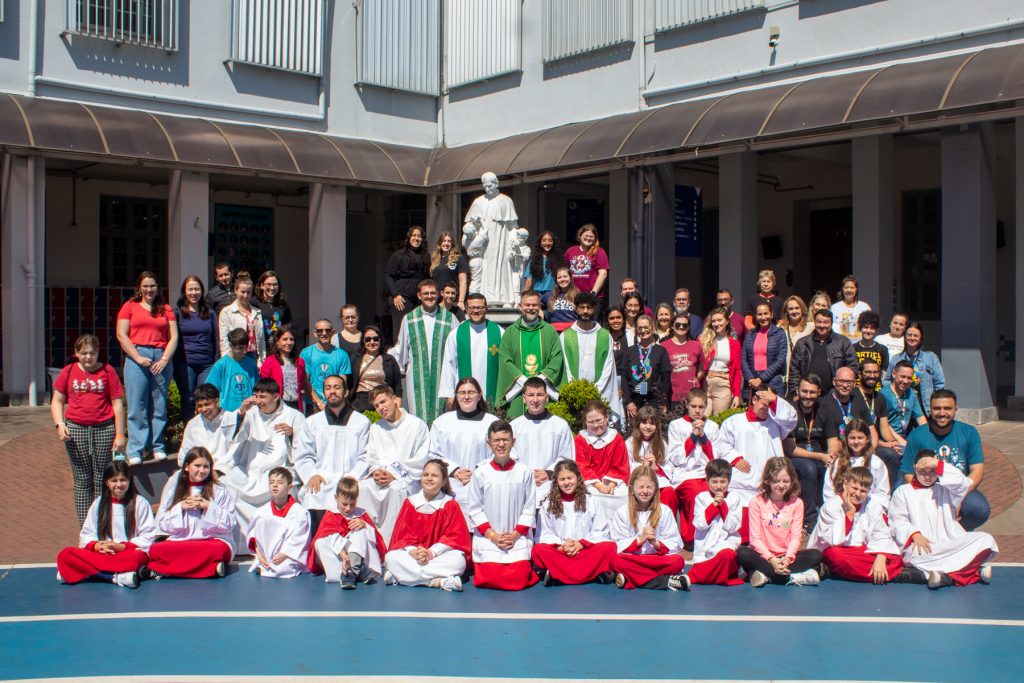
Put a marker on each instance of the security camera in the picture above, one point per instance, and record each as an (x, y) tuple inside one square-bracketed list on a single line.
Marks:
[(774, 37)]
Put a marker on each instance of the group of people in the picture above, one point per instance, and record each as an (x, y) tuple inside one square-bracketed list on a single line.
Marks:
[(847, 460)]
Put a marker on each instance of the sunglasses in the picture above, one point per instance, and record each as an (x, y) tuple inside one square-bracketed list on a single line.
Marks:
[(321, 331), (681, 327), (371, 339)]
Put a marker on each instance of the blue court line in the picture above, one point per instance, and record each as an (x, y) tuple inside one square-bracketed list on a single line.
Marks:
[(511, 649), (28, 592)]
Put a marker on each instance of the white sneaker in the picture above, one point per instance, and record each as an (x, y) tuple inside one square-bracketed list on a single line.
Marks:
[(452, 583), (389, 578), (758, 579), (158, 456), (435, 583), (679, 582), (985, 574), (221, 570), (135, 460), (808, 577), (127, 579), (60, 579)]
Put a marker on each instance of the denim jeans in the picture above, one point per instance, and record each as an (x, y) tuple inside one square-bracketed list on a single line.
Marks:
[(811, 474), (974, 511), (146, 395), (188, 377)]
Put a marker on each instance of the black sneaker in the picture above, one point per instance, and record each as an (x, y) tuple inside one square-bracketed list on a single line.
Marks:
[(823, 571), (348, 582), (938, 580), (910, 575), (605, 578)]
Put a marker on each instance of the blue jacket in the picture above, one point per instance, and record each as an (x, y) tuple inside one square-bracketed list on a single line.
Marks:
[(928, 375), (776, 359)]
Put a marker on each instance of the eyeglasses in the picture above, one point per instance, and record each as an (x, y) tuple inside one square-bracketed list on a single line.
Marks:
[(318, 331), (679, 326), (467, 394), (371, 339)]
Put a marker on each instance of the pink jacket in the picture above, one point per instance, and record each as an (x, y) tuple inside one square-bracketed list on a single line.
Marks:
[(735, 366), (271, 369)]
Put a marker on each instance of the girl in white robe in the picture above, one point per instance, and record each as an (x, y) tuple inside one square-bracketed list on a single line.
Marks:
[(279, 532), (264, 443), (431, 542), (117, 532), (459, 437), (646, 447), (602, 458), (647, 538), (198, 517), (691, 440), (574, 543), (501, 513), (923, 516), (857, 452), (332, 447)]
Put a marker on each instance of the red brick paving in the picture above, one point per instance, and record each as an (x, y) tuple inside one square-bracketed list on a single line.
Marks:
[(37, 512)]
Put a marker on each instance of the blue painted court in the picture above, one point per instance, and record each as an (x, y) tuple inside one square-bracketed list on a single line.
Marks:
[(243, 626)]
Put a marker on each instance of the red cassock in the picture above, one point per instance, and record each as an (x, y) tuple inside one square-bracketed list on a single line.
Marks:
[(78, 564), (447, 526), (336, 523), (721, 570), (594, 560), (612, 461), (641, 569), (190, 559), (853, 563)]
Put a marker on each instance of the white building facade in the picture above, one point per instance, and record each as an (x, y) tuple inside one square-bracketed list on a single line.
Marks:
[(706, 139)]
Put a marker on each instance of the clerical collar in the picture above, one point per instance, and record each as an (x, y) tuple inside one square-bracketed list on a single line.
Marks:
[(475, 415), (529, 326), (341, 419), (537, 418)]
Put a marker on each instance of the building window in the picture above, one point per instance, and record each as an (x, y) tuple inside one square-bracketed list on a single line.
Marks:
[(922, 254), (150, 23), (133, 238), (574, 27), (398, 45), (279, 34), (673, 14), (482, 40)]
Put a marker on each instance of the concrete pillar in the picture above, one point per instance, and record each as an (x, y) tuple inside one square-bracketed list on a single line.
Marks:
[(659, 274), (618, 231), (737, 224), (968, 260), (188, 230), (873, 222), (443, 214), (22, 245), (1017, 401), (328, 267)]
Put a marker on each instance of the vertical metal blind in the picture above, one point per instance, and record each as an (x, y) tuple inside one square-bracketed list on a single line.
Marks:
[(399, 44), (279, 34), (670, 14), (572, 27), (151, 23), (481, 39)]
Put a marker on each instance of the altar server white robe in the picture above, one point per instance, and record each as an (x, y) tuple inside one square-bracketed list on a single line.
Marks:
[(687, 454), (260, 449), (218, 521), (332, 450), (541, 443), (400, 449), (879, 481), (719, 534), (932, 511), (216, 435), (273, 534), (745, 437), (869, 528), (591, 525), (503, 500), (462, 443)]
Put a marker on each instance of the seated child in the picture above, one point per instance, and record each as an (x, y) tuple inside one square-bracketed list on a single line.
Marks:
[(776, 526), (854, 536), (718, 514), (645, 446), (347, 546), (602, 457), (501, 504), (690, 447), (213, 428), (857, 452), (923, 515), (648, 539), (573, 545), (430, 542), (279, 533), (117, 532)]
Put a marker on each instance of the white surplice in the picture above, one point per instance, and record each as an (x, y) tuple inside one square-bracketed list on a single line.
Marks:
[(462, 443), (504, 500), (719, 534), (688, 454), (216, 435), (541, 443), (331, 450), (401, 449), (273, 535), (744, 436)]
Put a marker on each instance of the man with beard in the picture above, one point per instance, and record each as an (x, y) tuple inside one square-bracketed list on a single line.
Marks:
[(529, 348), (587, 350), (471, 351)]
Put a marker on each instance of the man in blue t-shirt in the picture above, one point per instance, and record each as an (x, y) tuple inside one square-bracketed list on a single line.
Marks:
[(322, 360), (902, 405), (234, 374), (956, 443)]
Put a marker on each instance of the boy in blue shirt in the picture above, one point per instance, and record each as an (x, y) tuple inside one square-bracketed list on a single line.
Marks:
[(235, 374), (957, 444)]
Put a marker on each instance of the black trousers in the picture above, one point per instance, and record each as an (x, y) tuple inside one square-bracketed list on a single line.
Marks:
[(752, 561)]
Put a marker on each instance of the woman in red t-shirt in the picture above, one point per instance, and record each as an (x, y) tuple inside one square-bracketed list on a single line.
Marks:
[(588, 263), (89, 416), (148, 334)]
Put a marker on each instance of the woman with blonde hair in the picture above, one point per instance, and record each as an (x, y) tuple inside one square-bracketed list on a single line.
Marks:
[(796, 323), (723, 359)]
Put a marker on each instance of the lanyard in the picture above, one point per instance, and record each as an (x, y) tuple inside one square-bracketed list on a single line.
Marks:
[(809, 425), (871, 402), (642, 371), (845, 411)]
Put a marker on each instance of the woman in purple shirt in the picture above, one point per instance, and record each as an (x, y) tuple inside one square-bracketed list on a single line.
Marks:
[(197, 350)]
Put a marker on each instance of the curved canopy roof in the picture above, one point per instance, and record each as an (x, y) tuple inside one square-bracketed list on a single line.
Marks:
[(989, 79)]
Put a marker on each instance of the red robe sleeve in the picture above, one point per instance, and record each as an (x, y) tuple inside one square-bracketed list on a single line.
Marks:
[(332, 523), (407, 530), (453, 530), (585, 459)]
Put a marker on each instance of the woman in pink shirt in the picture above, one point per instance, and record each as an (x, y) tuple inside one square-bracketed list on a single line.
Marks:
[(148, 334), (588, 263), (776, 519)]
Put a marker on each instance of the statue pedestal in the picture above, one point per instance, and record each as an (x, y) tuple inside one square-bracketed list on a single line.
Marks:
[(504, 316)]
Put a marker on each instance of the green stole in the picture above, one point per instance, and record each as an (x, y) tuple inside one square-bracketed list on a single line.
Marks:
[(571, 348), (426, 367), (527, 351), (464, 351)]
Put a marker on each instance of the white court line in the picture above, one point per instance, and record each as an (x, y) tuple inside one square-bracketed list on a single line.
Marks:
[(244, 562), (401, 679), (513, 616)]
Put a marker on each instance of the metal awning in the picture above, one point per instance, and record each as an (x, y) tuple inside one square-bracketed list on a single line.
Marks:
[(927, 93)]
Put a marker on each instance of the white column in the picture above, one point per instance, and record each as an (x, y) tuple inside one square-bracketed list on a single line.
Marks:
[(618, 231), (22, 198), (660, 271), (188, 230), (442, 214), (968, 260), (328, 266), (737, 224), (1017, 402), (873, 221)]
